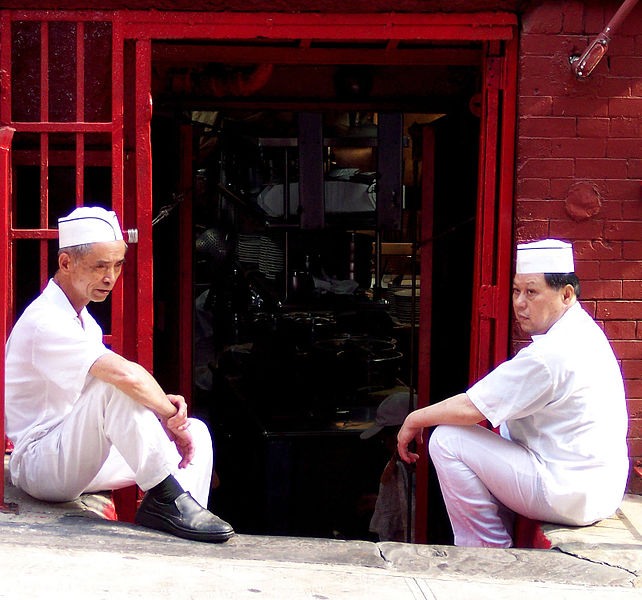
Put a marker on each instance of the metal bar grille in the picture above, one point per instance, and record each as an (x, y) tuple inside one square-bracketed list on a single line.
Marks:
[(46, 155), (45, 138)]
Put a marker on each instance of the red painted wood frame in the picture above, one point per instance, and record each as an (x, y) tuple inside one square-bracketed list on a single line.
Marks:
[(494, 226), (6, 134), (143, 27)]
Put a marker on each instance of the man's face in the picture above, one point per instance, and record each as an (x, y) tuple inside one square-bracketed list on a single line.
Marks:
[(93, 276), (537, 306)]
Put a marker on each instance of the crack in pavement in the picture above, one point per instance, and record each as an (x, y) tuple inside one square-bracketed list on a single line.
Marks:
[(593, 561)]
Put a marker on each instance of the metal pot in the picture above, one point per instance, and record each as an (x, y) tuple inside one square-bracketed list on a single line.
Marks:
[(354, 362)]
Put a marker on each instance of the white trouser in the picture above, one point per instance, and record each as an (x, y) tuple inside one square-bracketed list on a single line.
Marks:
[(109, 441), (485, 479)]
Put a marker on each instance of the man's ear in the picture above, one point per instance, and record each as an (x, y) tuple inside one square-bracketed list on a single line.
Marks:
[(64, 262), (568, 294)]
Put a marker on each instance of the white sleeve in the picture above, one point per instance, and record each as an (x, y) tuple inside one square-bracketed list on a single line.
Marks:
[(515, 389), (63, 354)]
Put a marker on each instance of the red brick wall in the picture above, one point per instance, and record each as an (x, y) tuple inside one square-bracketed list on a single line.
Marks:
[(579, 167)]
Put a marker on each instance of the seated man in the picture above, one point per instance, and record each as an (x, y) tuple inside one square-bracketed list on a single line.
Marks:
[(562, 453), (84, 418)]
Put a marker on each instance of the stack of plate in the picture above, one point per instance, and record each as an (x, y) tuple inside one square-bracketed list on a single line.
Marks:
[(271, 257), (248, 247), (402, 305)]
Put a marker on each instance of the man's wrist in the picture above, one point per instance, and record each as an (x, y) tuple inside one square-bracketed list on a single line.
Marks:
[(415, 419)]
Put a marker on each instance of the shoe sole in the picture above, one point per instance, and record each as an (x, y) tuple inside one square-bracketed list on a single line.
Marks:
[(160, 524)]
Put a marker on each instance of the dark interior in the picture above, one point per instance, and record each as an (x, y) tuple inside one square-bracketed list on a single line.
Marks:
[(293, 355)]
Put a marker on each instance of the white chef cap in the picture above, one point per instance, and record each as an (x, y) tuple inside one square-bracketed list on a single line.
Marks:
[(545, 256), (87, 225)]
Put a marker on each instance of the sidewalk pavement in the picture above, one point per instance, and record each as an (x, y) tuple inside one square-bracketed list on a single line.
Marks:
[(67, 550)]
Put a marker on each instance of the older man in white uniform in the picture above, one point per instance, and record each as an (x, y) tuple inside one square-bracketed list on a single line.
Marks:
[(560, 407), (83, 418)]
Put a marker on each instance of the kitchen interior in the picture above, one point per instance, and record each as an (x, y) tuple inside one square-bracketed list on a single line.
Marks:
[(307, 199)]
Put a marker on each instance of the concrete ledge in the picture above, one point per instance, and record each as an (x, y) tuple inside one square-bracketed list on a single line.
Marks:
[(59, 537), (616, 541)]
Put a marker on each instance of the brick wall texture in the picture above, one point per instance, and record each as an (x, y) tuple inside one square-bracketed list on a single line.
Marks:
[(579, 167)]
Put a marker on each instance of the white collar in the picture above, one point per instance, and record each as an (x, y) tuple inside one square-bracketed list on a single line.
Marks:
[(53, 292), (571, 310)]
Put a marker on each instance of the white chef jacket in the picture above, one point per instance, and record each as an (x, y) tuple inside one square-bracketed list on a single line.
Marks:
[(48, 357), (562, 397)]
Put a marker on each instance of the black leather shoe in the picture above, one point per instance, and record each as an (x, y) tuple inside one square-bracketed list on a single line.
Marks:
[(184, 517)]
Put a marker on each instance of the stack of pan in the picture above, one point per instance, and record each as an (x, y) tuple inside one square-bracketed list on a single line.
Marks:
[(248, 248), (271, 257), (402, 305)]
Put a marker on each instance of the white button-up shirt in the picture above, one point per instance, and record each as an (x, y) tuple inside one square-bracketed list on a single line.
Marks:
[(562, 397), (49, 353)]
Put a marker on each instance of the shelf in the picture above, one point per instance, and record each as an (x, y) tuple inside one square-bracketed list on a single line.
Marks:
[(333, 142)]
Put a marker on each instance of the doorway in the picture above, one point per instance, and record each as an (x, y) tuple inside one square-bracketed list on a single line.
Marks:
[(275, 300)]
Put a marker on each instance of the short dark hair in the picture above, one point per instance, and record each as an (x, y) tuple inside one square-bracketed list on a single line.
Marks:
[(76, 252), (559, 280)]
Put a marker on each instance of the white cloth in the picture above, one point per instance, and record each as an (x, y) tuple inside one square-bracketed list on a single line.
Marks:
[(561, 400), (390, 517), (72, 432)]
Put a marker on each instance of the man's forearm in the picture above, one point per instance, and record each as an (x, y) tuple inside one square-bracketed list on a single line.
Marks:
[(456, 410), (135, 381)]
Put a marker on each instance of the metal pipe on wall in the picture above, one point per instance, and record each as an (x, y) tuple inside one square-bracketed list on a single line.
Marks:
[(584, 65)]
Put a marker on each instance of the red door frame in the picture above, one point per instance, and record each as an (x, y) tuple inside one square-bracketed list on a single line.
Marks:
[(494, 226), (142, 27), (6, 135), (493, 237)]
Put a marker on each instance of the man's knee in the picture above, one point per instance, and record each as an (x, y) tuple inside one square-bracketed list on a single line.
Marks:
[(103, 395), (441, 441), (199, 431), (201, 436)]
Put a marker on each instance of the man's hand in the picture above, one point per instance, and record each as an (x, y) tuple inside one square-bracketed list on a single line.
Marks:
[(406, 434), (184, 445), (177, 430), (179, 421)]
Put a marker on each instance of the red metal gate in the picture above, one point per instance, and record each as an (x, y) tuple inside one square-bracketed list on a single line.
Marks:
[(63, 89), (61, 124)]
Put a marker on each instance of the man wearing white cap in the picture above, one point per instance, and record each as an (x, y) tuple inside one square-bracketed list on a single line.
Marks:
[(85, 419), (561, 455)]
